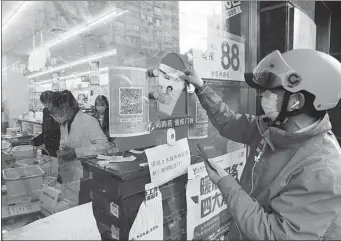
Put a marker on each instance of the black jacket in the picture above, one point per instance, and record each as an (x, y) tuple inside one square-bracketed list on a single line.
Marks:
[(50, 135)]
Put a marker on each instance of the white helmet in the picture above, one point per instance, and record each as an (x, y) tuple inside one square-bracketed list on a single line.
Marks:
[(300, 70)]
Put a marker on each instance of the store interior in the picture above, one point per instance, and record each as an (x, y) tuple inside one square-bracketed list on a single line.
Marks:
[(123, 50)]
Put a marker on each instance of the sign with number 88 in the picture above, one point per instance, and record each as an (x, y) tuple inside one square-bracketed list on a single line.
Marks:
[(224, 59), (230, 56)]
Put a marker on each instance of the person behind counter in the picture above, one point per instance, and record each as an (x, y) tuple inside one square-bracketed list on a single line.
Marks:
[(102, 113), (50, 135), (81, 136)]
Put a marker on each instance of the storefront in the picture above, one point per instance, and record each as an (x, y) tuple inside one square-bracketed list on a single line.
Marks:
[(123, 50)]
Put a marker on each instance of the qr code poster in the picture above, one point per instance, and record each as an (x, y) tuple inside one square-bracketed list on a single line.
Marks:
[(128, 102), (199, 129), (131, 101)]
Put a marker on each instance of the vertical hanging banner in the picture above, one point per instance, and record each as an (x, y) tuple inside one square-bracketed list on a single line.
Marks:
[(148, 224), (199, 129), (94, 74), (55, 82), (207, 214), (128, 102)]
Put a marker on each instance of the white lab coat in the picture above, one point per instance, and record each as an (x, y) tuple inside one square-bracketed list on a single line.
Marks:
[(87, 138)]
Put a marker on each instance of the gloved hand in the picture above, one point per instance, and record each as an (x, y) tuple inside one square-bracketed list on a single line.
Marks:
[(192, 77), (66, 154), (217, 173)]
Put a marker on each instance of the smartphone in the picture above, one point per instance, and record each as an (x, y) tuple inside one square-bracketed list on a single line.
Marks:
[(203, 154)]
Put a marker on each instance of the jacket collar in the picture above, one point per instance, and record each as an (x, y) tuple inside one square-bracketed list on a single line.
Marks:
[(276, 137)]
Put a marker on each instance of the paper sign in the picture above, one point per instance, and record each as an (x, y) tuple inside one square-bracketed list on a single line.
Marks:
[(207, 214), (224, 58), (167, 162), (64, 225), (148, 224)]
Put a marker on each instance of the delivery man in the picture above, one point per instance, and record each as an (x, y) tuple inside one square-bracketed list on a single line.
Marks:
[(290, 188)]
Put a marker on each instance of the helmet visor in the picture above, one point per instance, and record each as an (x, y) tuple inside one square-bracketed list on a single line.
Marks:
[(270, 73)]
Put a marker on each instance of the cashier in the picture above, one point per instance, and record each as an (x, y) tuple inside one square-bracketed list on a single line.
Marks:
[(50, 135), (81, 136)]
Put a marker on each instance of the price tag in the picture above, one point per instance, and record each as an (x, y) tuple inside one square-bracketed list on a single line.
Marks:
[(114, 209)]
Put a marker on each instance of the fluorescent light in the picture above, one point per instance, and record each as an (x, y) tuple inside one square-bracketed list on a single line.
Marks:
[(79, 30), (71, 76), (20, 9), (77, 62)]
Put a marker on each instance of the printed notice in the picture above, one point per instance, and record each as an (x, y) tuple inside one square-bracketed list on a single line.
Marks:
[(207, 214), (224, 58), (94, 73), (148, 224), (172, 163)]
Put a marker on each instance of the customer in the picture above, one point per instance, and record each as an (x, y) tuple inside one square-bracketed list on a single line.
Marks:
[(50, 135), (81, 136), (102, 113), (290, 188)]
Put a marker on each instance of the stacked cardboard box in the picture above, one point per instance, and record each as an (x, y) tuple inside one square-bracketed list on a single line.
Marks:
[(118, 192)]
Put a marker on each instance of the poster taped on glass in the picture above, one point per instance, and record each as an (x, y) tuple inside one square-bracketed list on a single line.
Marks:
[(129, 104), (94, 73)]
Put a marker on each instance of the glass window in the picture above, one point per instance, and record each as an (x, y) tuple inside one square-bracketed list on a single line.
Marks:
[(83, 41)]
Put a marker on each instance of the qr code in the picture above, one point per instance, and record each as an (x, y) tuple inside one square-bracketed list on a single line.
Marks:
[(201, 116), (131, 101)]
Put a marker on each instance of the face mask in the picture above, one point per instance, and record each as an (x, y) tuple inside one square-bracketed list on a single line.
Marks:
[(100, 109), (269, 104)]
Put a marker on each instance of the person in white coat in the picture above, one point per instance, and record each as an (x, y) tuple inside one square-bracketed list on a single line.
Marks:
[(81, 136)]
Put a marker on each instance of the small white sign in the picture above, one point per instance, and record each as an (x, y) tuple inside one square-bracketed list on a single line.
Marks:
[(114, 209), (173, 162)]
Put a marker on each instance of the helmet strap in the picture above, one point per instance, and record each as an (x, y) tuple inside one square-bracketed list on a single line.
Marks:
[(283, 114)]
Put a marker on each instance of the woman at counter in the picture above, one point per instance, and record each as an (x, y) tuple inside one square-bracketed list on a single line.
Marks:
[(81, 136), (50, 135), (102, 113)]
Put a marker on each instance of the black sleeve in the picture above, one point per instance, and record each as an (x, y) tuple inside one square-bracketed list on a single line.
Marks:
[(39, 139)]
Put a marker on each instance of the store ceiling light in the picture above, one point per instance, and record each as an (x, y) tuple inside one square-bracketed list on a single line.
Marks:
[(77, 62), (15, 14), (80, 29), (71, 76)]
